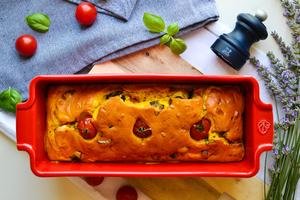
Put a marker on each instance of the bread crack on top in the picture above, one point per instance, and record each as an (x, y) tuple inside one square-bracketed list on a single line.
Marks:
[(144, 123)]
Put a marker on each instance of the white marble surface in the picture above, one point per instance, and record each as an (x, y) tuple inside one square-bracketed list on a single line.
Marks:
[(17, 181)]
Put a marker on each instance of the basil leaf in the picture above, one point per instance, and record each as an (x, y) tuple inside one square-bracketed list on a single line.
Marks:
[(9, 99), (154, 23), (165, 39), (173, 29), (38, 22), (177, 46)]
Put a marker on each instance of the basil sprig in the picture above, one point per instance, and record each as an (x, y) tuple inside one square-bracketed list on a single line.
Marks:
[(9, 99), (156, 24), (39, 22)]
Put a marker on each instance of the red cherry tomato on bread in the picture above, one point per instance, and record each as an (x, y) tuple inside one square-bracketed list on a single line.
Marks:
[(126, 192), (86, 13), (86, 126), (93, 181), (26, 45), (200, 129), (141, 129)]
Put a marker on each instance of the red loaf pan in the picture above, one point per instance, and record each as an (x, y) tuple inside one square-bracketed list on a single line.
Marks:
[(31, 126)]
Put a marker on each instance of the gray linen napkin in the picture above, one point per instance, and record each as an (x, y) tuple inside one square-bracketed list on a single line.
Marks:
[(67, 47), (118, 8)]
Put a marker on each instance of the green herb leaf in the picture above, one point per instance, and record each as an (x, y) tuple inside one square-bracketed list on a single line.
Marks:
[(177, 46), (173, 155), (113, 94), (154, 23), (38, 22), (9, 99), (141, 129), (165, 39), (173, 29), (199, 127)]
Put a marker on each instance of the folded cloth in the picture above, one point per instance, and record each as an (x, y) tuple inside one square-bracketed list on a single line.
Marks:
[(67, 47), (118, 8)]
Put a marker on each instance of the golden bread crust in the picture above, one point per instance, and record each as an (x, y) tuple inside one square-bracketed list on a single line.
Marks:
[(170, 112)]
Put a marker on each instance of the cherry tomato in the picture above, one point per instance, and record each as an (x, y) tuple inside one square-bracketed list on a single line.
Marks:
[(126, 192), (26, 45), (200, 129), (141, 129), (86, 127), (86, 13), (93, 181)]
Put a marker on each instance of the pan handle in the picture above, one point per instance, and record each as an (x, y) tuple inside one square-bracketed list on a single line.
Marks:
[(264, 125), (24, 126)]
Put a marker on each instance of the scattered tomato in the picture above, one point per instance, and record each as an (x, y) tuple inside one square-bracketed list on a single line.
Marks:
[(86, 13), (86, 127), (126, 192), (200, 129), (26, 45), (141, 129), (93, 181)]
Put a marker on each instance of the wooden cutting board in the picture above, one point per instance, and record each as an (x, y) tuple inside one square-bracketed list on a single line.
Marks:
[(159, 59)]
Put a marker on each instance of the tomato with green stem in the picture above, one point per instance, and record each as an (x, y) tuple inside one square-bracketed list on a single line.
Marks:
[(200, 129), (86, 126)]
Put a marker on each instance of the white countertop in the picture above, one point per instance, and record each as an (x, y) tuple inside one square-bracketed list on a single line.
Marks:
[(17, 180)]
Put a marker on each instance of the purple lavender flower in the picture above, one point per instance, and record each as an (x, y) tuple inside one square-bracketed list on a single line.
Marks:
[(294, 63), (286, 149), (287, 122), (289, 92), (295, 113), (286, 13), (288, 77), (276, 153), (289, 9), (298, 19)]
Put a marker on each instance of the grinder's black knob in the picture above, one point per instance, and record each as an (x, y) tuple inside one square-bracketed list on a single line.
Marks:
[(234, 47)]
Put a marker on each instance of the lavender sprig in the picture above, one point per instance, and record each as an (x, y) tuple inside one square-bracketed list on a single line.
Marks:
[(289, 8), (286, 51), (278, 84), (292, 13), (267, 76), (281, 73), (282, 79)]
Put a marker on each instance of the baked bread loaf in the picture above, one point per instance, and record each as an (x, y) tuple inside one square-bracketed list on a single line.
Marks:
[(144, 123)]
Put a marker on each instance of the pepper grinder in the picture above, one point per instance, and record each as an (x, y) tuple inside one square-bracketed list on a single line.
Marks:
[(234, 47)]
